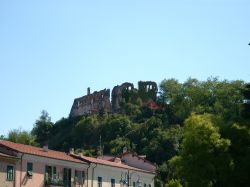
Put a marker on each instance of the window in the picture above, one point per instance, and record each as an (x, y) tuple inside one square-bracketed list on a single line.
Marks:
[(99, 182), (134, 184), (50, 173), (79, 177), (54, 173), (138, 183), (145, 185), (10, 173), (149, 185), (83, 176), (67, 177), (29, 169), (112, 182)]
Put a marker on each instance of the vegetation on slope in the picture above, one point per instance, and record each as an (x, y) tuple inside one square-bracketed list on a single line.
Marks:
[(200, 136)]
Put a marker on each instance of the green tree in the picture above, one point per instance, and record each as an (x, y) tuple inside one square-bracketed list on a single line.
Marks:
[(116, 126), (204, 159), (227, 99), (174, 183), (171, 91), (21, 136), (42, 128), (239, 135), (246, 102), (156, 141), (2, 137), (210, 96), (63, 137), (86, 131), (117, 145)]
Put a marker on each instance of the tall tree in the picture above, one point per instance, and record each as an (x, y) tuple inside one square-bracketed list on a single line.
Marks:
[(210, 96), (86, 131), (246, 102), (239, 135), (117, 145), (204, 159), (42, 128)]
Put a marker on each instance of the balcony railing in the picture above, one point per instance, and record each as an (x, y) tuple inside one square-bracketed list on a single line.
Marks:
[(54, 182)]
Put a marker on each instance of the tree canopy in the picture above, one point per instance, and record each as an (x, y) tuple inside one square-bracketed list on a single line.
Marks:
[(42, 128), (21, 136), (199, 136)]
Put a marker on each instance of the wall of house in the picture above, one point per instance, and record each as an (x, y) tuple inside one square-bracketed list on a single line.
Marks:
[(107, 173), (4, 162), (94, 171), (39, 163)]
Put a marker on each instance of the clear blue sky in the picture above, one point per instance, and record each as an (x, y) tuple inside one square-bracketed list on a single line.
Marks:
[(52, 50)]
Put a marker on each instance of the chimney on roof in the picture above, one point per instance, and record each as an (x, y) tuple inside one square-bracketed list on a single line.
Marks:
[(125, 150), (142, 156), (88, 90), (46, 148), (118, 160), (71, 151)]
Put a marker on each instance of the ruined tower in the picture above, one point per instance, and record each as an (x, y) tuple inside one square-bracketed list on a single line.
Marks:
[(125, 93), (120, 93), (91, 103)]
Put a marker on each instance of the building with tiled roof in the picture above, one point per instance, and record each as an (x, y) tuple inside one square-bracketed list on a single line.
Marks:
[(39, 167), (7, 163), (37, 151)]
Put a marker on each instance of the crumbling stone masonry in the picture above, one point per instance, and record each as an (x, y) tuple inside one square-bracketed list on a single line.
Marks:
[(91, 103), (120, 93), (147, 91), (100, 101)]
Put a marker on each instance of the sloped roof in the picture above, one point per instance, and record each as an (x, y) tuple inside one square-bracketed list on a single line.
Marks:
[(107, 157), (139, 158), (110, 163), (6, 155), (39, 151), (27, 149)]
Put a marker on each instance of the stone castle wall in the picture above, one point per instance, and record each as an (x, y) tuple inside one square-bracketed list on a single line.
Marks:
[(91, 103), (100, 101)]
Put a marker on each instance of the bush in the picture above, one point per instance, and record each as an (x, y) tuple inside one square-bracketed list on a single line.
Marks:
[(174, 183)]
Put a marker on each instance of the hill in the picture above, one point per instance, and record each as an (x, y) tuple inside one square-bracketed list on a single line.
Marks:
[(187, 116)]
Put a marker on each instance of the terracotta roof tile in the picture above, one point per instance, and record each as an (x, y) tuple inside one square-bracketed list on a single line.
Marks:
[(112, 164), (63, 156), (39, 151), (140, 157), (6, 155)]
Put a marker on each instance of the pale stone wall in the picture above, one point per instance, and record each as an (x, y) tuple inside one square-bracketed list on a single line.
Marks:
[(91, 103), (95, 102)]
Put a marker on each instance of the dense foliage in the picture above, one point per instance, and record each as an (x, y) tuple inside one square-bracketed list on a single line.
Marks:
[(21, 136), (200, 136)]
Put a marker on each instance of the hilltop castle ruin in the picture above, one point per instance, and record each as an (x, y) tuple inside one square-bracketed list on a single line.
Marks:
[(100, 101)]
